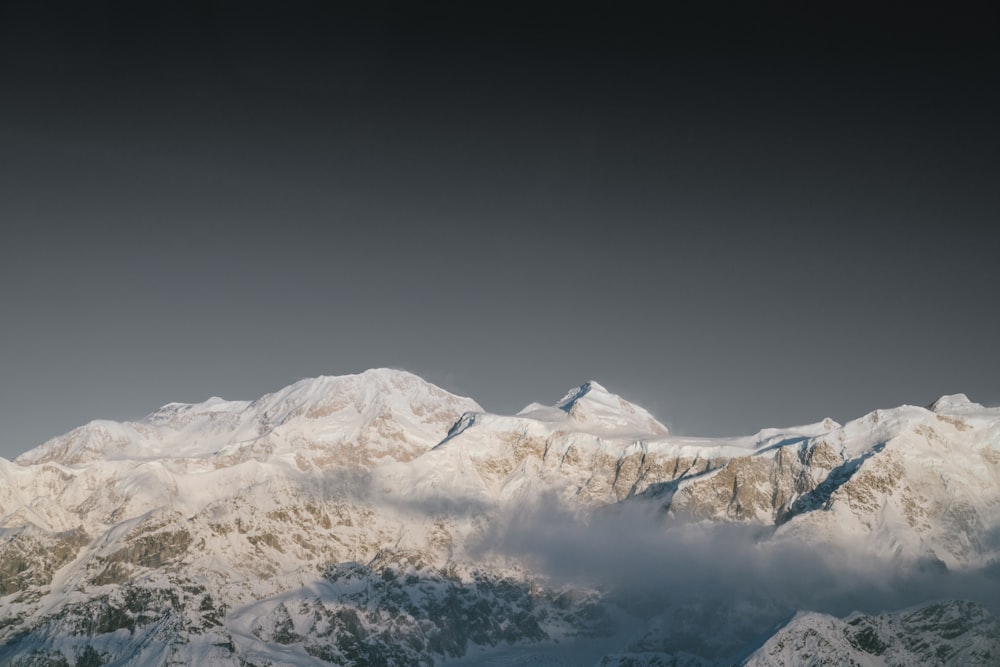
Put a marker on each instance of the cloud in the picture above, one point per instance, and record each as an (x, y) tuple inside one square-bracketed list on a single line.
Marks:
[(637, 553)]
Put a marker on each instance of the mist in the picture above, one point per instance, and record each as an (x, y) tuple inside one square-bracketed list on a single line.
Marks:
[(650, 562)]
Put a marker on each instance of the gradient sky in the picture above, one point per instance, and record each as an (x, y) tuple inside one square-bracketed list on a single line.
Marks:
[(739, 219)]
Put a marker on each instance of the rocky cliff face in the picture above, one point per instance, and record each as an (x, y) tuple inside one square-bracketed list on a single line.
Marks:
[(361, 520)]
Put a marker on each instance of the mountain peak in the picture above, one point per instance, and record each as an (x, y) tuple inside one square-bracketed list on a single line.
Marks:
[(955, 404), (592, 404), (373, 389), (567, 402)]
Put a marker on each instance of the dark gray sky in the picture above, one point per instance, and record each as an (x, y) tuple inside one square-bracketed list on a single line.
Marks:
[(739, 219)]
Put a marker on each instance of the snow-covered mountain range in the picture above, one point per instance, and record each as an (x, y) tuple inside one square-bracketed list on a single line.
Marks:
[(376, 519)]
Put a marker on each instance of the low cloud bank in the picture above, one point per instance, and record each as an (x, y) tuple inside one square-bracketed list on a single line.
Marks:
[(635, 552)]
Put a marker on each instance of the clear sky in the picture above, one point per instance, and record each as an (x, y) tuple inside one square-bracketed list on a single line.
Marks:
[(737, 219)]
